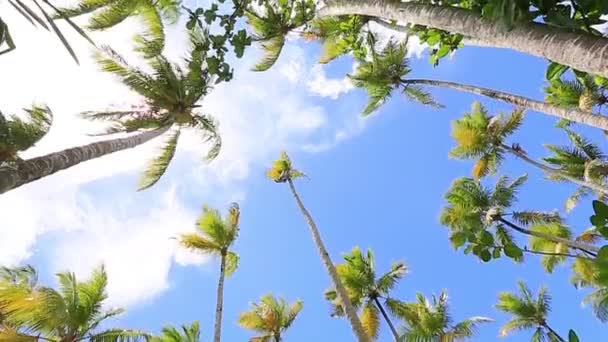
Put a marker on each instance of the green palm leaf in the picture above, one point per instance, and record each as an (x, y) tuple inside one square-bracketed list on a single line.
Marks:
[(158, 166)]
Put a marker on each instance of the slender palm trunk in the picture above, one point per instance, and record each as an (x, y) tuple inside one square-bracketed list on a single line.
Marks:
[(571, 114), (219, 305), (387, 319), (581, 51), (33, 169), (589, 249), (522, 155), (554, 333), (349, 309)]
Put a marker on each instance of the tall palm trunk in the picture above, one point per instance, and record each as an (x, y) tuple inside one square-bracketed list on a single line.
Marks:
[(219, 305), (571, 114), (581, 51), (349, 309), (33, 169), (555, 334), (589, 249), (387, 319), (555, 172)]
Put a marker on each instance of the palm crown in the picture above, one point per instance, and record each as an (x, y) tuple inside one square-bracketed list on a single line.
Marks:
[(474, 211), (273, 22), (431, 321), (529, 312), (482, 137), (582, 160), (184, 334), (215, 235), (18, 135), (171, 95), (359, 277), (383, 74), (108, 13), (270, 317), (72, 313), (582, 92)]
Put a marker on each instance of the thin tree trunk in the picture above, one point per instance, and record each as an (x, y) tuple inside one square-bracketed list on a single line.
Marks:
[(349, 309), (590, 185), (387, 319), (219, 305), (581, 51), (33, 169), (571, 114), (554, 333), (590, 249)]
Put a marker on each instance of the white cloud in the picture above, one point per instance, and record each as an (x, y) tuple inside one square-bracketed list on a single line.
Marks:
[(90, 213), (320, 85)]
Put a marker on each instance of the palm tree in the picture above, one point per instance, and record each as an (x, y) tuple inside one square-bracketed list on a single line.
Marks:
[(578, 50), (273, 22), (474, 211), (582, 160), (583, 93), (215, 236), (431, 321), (108, 13), (283, 172), (171, 96), (271, 318), (184, 334), (17, 135), (386, 72), (25, 277), (529, 312), (483, 137), (365, 290), (586, 273), (72, 313)]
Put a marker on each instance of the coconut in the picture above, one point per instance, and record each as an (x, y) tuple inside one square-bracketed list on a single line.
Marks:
[(587, 101)]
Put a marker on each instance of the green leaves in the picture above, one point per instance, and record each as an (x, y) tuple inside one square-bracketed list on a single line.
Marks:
[(271, 317), (159, 165), (555, 71), (600, 218), (282, 171), (572, 337), (17, 134)]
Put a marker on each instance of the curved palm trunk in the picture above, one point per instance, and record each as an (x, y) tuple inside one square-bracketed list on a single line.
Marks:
[(554, 333), (219, 305), (522, 155), (349, 309), (590, 249), (387, 319), (571, 114), (33, 169), (581, 51)]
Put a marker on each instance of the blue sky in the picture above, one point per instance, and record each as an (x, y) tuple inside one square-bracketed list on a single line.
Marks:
[(380, 186)]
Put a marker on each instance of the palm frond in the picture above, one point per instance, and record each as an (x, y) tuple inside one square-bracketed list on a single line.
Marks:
[(272, 50), (418, 94), (196, 242), (158, 166), (152, 42), (112, 14), (370, 320), (232, 263)]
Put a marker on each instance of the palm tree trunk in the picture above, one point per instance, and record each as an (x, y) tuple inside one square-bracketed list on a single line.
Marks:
[(571, 114), (33, 169), (581, 51), (554, 333), (349, 309), (219, 305), (589, 249), (522, 155), (387, 319)]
